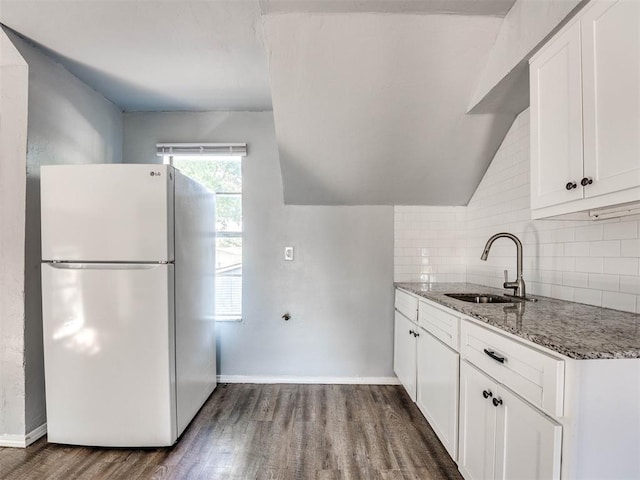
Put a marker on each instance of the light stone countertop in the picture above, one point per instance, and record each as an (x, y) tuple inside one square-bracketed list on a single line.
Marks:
[(572, 329)]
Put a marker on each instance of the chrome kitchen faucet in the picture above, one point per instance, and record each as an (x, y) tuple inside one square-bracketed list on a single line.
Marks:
[(519, 290)]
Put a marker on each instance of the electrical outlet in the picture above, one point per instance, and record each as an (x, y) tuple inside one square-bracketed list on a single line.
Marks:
[(288, 254)]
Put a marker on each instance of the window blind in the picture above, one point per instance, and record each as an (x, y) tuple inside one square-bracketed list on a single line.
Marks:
[(198, 149)]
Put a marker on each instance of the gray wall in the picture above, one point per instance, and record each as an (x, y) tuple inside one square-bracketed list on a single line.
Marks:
[(338, 290), (68, 122), (13, 141)]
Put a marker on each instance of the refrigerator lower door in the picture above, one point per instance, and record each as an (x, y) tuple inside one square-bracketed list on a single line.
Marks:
[(109, 351)]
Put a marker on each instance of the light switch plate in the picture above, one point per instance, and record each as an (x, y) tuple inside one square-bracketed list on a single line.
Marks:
[(288, 253)]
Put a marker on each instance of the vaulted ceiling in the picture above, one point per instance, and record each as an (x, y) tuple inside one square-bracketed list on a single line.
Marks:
[(369, 96), (154, 55)]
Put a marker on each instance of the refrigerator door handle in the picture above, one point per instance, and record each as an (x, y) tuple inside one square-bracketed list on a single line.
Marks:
[(104, 266)]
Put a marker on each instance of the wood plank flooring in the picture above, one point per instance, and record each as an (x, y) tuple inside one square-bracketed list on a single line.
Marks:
[(286, 432)]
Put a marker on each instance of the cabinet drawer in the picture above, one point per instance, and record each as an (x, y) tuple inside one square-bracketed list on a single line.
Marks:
[(441, 323), (407, 305), (534, 375)]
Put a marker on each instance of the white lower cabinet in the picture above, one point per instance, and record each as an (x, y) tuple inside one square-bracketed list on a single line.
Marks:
[(508, 409), (501, 435), (437, 388), (427, 363), (528, 443), (477, 424), (404, 353)]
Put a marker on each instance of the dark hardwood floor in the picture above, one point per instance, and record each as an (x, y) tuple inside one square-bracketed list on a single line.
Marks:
[(288, 432)]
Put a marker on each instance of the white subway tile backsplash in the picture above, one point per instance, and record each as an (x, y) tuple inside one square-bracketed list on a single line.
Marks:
[(552, 278), (607, 248), (563, 293), (630, 248), (545, 236), (575, 279), (630, 285), (604, 282), (619, 301), (620, 231), (559, 264), (541, 289), (596, 263), (552, 250), (565, 235), (621, 266), (588, 296), (410, 252), (590, 265), (589, 233), (433, 240), (577, 249)]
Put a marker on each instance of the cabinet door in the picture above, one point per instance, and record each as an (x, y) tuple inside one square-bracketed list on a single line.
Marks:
[(528, 443), (404, 353), (556, 121), (611, 79), (477, 424), (437, 389)]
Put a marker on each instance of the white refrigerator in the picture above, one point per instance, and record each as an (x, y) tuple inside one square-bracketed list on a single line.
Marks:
[(128, 271)]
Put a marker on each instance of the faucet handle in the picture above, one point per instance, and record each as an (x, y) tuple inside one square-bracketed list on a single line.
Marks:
[(507, 284)]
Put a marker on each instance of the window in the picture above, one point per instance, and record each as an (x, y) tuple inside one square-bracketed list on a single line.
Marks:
[(223, 175)]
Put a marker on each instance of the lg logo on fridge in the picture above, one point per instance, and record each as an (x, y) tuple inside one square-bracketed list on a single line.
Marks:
[(155, 174)]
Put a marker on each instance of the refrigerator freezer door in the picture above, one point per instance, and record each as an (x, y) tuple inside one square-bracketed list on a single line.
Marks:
[(109, 351), (107, 213)]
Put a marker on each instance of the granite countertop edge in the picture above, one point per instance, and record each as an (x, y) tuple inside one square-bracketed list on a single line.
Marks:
[(577, 331)]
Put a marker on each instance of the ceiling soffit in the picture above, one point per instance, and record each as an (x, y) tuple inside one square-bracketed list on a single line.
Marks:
[(370, 109)]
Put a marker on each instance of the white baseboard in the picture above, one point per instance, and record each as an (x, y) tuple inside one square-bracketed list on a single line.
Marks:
[(309, 380), (23, 441)]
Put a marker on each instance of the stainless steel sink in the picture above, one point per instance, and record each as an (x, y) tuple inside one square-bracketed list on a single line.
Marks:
[(480, 298)]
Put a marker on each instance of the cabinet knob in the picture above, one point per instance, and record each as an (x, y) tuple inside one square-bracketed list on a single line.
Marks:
[(416, 334), (487, 394), (586, 181), (411, 332), (571, 185), (497, 401)]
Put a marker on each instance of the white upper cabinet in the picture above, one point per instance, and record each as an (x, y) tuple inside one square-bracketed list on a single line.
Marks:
[(556, 122), (611, 95), (585, 112)]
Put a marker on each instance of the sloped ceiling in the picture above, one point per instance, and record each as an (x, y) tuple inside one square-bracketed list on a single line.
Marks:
[(369, 96), (154, 55), (370, 109)]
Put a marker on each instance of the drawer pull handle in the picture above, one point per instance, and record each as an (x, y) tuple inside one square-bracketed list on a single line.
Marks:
[(493, 355), (497, 401), (487, 393)]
